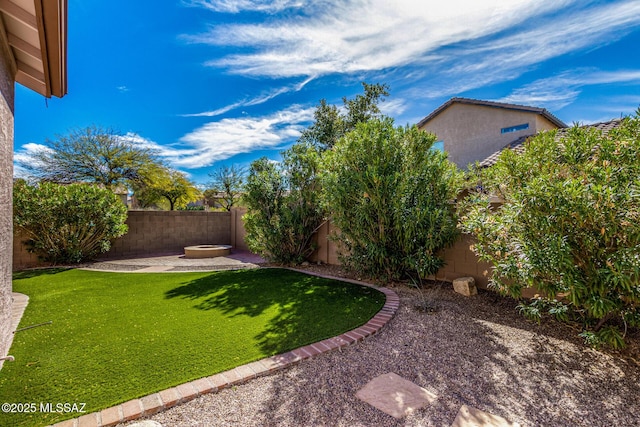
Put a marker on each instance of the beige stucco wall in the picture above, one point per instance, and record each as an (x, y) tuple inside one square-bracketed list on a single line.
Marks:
[(6, 187), (472, 132)]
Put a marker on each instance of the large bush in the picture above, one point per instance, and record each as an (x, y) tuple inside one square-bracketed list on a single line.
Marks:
[(569, 226), (283, 206), (392, 197), (67, 223)]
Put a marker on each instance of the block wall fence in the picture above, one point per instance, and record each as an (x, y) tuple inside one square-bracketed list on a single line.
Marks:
[(460, 259), (157, 233), (163, 232)]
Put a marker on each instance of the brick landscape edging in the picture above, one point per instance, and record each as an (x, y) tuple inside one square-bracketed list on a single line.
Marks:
[(157, 402)]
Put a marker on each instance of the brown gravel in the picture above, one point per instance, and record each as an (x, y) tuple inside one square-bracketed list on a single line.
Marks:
[(476, 351)]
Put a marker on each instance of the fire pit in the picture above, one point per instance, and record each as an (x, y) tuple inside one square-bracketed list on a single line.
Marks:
[(207, 251)]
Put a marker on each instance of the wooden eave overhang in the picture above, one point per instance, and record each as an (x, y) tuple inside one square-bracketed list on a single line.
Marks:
[(36, 32)]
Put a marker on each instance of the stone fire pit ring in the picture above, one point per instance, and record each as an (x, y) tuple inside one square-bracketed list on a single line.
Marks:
[(206, 251)]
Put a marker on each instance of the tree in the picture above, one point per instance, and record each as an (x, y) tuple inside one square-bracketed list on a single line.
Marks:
[(391, 197), (162, 183), (68, 223), (93, 154), (283, 205), (284, 199), (330, 125), (569, 226), (227, 186)]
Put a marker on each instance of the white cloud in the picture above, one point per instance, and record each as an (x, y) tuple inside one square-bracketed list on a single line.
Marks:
[(476, 43), (260, 99), (225, 138), (235, 6), (25, 156), (477, 63), (393, 107), (563, 89), (364, 35)]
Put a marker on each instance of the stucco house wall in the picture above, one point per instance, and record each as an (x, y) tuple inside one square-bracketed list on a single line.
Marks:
[(6, 199), (33, 52), (473, 132)]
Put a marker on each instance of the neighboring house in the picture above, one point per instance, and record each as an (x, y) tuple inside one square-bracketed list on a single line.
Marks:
[(519, 144), (470, 130), (33, 52)]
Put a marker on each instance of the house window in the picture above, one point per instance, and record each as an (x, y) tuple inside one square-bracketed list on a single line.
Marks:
[(438, 145), (515, 128)]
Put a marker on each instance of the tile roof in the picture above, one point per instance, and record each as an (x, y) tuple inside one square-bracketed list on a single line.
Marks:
[(518, 145), (545, 113)]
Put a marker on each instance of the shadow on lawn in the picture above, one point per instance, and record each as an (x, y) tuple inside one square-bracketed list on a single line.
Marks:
[(28, 274), (305, 309)]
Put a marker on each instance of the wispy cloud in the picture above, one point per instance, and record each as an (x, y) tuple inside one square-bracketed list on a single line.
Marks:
[(212, 142), (393, 107), (235, 6), (505, 56), (362, 35), (25, 156), (477, 43), (225, 138), (563, 89), (123, 89), (261, 99)]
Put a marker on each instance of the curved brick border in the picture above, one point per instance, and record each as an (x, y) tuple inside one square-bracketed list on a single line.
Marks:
[(157, 402)]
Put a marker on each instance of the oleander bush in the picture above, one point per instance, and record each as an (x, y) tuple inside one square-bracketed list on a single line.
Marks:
[(569, 226), (67, 223), (283, 209), (391, 196)]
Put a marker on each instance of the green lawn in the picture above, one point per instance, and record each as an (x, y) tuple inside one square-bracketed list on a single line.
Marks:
[(118, 336)]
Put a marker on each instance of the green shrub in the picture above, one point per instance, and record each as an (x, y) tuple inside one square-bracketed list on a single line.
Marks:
[(67, 223), (569, 226), (283, 205), (392, 197)]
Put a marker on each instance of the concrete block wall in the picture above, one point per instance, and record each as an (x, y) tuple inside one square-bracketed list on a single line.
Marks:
[(157, 232), (460, 259), (21, 257), (238, 231)]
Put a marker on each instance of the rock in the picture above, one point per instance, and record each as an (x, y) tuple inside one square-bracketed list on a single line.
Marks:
[(305, 264), (465, 286)]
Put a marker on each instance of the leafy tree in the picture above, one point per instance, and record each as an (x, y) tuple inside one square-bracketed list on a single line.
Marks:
[(227, 186), (283, 200), (330, 124), (391, 197), (162, 183), (569, 226), (283, 207), (93, 154), (68, 223)]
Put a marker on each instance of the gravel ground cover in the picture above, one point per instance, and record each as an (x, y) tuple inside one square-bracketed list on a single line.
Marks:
[(476, 351)]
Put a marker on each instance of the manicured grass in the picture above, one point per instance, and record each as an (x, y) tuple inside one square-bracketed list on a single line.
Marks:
[(118, 336)]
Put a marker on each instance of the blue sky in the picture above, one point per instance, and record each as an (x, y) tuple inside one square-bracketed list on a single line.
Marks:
[(211, 82)]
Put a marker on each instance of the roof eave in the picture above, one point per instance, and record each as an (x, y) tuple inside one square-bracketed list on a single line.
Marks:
[(545, 113), (50, 21)]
